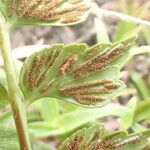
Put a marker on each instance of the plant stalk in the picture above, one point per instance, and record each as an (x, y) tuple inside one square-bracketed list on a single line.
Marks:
[(15, 98)]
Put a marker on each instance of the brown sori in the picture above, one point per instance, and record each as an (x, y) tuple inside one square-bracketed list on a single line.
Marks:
[(86, 85), (68, 63), (49, 10)]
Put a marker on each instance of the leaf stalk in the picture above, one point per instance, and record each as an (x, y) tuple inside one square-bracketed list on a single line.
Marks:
[(15, 97)]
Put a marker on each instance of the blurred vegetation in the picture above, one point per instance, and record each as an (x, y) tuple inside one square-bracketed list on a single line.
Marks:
[(51, 121)]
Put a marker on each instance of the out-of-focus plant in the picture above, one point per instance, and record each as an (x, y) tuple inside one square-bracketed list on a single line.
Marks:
[(76, 73)]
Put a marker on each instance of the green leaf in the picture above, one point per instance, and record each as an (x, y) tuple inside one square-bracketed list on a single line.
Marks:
[(101, 31), (49, 108), (128, 117), (41, 146), (8, 139), (3, 92), (88, 77), (142, 111), (124, 30), (140, 85), (139, 50), (6, 117), (84, 138), (70, 121), (3, 86), (93, 139), (146, 32), (60, 12), (134, 141), (136, 127)]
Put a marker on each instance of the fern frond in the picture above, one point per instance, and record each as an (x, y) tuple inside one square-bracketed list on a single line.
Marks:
[(56, 12)]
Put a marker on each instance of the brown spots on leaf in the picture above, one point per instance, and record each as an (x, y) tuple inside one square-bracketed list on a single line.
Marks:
[(85, 93), (68, 63), (110, 143), (57, 63), (12, 7), (111, 86), (36, 75), (87, 85), (88, 100), (74, 144), (99, 62), (123, 142), (93, 51), (47, 86), (45, 10)]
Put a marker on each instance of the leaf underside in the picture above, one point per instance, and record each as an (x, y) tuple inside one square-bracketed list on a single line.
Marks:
[(93, 138), (55, 12), (75, 73)]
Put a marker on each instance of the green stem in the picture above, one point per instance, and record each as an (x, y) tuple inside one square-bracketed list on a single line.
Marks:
[(15, 97)]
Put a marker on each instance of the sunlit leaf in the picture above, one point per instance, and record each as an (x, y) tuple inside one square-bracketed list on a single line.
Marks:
[(101, 31), (55, 12), (139, 50), (89, 77)]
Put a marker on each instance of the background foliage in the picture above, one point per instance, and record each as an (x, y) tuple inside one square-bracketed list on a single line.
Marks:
[(51, 121)]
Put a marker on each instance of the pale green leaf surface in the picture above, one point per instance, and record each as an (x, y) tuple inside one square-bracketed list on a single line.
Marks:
[(139, 50), (123, 29), (41, 146), (128, 118), (140, 85), (49, 108), (101, 32), (73, 73)]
